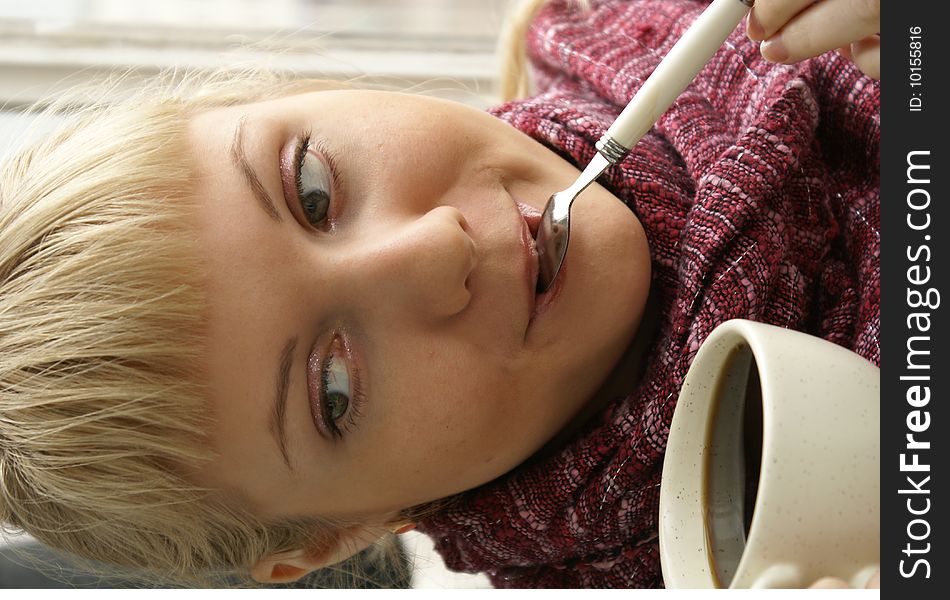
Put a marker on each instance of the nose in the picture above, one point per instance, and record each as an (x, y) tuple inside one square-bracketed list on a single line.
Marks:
[(418, 266)]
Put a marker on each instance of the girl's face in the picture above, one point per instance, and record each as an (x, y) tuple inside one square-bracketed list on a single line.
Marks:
[(375, 340)]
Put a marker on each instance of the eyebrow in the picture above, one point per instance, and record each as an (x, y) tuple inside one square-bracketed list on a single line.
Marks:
[(239, 157), (278, 417)]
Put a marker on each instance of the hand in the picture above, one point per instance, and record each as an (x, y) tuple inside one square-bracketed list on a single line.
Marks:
[(793, 30), (835, 583)]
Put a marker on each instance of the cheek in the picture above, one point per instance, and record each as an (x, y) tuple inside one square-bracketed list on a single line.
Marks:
[(469, 441), (614, 246), (406, 149), (614, 275), (451, 402), (446, 435), (442, 400)]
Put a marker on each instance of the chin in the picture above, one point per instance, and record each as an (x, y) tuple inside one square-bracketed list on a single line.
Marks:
[(623, 288)]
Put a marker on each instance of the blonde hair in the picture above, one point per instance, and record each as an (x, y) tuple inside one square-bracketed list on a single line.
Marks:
[(102, 404), (102, 337), (514, 80)]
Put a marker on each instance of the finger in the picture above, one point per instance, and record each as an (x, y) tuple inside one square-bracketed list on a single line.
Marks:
[(766, 18), (821, 27), (874, 582), (830, 583), (866, 54)]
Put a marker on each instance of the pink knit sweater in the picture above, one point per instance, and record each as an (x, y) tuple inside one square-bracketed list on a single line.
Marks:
[(759, 192)]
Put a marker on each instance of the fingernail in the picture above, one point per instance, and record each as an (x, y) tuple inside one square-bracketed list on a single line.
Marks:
[(405, 528), (773, 50), (753, 29), (281, 571)]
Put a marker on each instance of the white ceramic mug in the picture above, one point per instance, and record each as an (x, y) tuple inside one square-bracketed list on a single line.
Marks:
[(790, 423)]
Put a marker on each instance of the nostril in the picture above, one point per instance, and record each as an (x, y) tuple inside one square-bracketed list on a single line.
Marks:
[(443, 255), (472, 260), (459, 218), (473, 252)]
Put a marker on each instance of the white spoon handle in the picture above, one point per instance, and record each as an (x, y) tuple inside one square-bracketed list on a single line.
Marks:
[(677, 69)]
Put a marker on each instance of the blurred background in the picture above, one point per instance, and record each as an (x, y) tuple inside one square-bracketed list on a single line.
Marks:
[(439, 47), (443, 48)]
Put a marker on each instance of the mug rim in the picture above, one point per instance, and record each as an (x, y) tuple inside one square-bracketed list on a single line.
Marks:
[(690, 431)]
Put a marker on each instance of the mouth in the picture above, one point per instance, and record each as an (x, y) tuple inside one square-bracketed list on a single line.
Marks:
[(531, 218)]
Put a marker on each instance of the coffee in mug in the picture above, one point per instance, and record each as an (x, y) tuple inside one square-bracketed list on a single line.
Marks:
[(771, 476)]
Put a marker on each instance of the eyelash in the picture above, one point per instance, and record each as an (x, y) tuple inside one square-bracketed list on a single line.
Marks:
[(304, 143), (355, 397), (353, 407)]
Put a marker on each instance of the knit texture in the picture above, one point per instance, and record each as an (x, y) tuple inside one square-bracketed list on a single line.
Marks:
[(759, 193)]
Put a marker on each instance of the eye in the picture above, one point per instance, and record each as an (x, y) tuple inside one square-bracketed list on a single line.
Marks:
[(314, 179), (335, 391)]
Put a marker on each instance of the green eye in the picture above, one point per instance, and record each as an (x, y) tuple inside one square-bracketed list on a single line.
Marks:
[(315, 206), (337, 405), (335, 392), (314, 184)]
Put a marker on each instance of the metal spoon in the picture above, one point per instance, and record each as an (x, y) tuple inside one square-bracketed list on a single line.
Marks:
[(674, 73)]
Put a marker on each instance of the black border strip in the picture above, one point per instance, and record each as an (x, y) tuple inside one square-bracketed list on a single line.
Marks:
[(915, 369)]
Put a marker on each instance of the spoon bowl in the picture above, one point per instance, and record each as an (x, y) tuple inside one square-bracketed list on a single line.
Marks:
[(554, 230)]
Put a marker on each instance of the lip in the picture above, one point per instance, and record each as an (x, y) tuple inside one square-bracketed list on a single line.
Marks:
[(538, 303)]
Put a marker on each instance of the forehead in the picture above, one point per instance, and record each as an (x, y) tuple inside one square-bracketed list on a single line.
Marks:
[(285, 99), (217, 125)]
